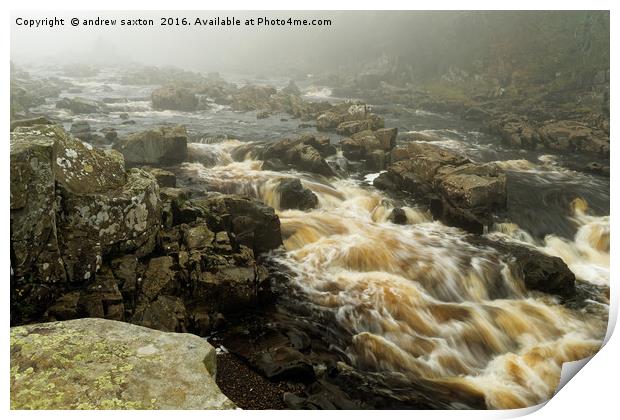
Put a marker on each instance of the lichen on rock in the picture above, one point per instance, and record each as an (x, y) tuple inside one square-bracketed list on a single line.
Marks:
[(100, 364)]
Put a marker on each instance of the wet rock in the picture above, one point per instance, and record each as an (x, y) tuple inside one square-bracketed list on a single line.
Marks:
[(294, 196), (122, 366), (539, 271), (81, 105), (398, 216), (298, 153), (160, 146), (175, 98)]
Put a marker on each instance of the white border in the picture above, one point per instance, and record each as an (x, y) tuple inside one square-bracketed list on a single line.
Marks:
[(592, 394)]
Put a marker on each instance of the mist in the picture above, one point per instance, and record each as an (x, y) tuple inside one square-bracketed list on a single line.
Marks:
[(429, 41)]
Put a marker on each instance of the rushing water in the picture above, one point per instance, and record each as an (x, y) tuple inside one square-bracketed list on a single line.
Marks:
[(419, 300)]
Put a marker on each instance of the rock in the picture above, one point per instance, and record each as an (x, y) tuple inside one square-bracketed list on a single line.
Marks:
[(160, 146), (459, 192), (198, 237), (81, 105), (573, 136), (367, 145), (294, 196), (348, 128), (252, 98), (102, 364), (262, 115), (254, 224), (387, 137), (71, 206), (539, 271), (473, 186), (166, 313), (398, 216), (175, 98), (322, 144), (124, 219), (329, 120), (34, 240), (298, 154), (164, 178), (158, 277)]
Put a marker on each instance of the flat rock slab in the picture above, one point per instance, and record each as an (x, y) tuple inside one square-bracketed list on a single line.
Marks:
[(94, 363)]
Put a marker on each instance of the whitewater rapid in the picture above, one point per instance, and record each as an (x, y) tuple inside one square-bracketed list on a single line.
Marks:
[(419, 300)]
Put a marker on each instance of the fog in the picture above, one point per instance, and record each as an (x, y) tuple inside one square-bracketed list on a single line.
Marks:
[(428, 42)]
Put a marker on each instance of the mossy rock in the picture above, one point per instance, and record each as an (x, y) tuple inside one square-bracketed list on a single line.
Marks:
[(94, 363)]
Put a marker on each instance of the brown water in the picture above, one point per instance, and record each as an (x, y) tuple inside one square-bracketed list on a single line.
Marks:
[(420, 300)]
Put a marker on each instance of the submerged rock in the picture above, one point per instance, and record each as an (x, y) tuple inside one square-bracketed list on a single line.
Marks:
[(175, 98), (100, 364), (163, 146)]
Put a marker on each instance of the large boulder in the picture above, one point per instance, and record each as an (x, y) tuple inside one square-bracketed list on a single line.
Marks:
[(100, 364), (71, 205), (175, 98), (159, 146)]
